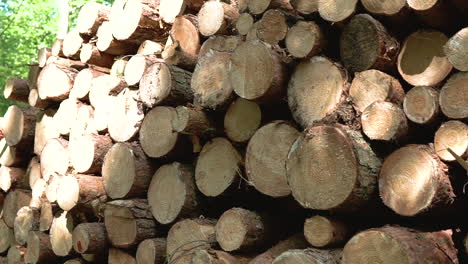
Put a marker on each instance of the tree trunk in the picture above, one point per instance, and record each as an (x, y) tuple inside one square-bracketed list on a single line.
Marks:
[(336, 11), (61, 234), (16, 89), (79, 190), (71, 44), (90, 238), (7, 235), (14, 200), (244, 23), (90, 54), (210, 256), (321, 231), (55, 82), (117, 256), (384, 121), (27, 219), (102, 112), (296, 241), (126, 116), (35, 101), (149, 47), (272, 28), (305, 39), (452, 97), (310, 255), (137, 66), (217, 18), (242, 119), (87, 152), (151, 251), (257, 7), (193, 121), (90, 17), (11, 176), (39, 249), (454, 135), (106, 42), (55, 157)]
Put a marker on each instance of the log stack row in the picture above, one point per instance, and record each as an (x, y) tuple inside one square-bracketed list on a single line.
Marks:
[(241, 131)]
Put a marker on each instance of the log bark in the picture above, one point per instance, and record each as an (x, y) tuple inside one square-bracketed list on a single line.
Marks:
[(27, 219), (45, 129), (257, 7), (452, 97), (42, 55), (87, 152), (272, 28), (61, 234), (35, 101), (90, 238), (220, 43), (365, 44), (266, 155), (384, 121), (55, 157), (242, 119), (424, 67), (55, 82), (71, 44), (217, 18), (90, 17), (16, 255), (321, 231), (126, 171), (128, 222), (193, 121), (210, 256), (164, 84), (454, 135), (106, 42), (8, 237), (33, 73), (296, 241), (19, 124), (16, 89), (305, 39), (336, 10), (83, 82), (14, 200), (151, 251), (126, 116), (149, 47), (324, 184), (244, 23), (39, 249), (117, 256), (90, 54), (421, 105), (79, 189), (310, 255), (137, 66), (11, 176), (399, 244)]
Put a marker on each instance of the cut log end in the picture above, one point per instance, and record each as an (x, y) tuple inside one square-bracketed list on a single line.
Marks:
[(61, 234), (170, 9), (39, 249), (454, 135), (55, 157), (387, 8), (151, 251), (336, 10), (305, 39), (244, 23), (71, 44), (242, 119), (55, 82), (310, 255), (272, 28), (117, 256), (7, 235), (126, 116), (90, 17), (453, 97), (90, 238), (27, 219), (305, 7), (421, 104), (322, 231), (456, 50), (384, 121)]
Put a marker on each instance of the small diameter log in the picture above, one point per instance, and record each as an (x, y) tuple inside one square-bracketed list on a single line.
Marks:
[(47, 216), (11, 176), (118, 68), (296, 241), (35, 101), (413, 180), (27, 219), (61, 234), (39, 248), (79, 189), (400, 245), (212, 180), (71, 44), (172, 193), (220, 43), (321, 231), (128, 222), (33, 171), (242, 119), (136, 67), (192, 121), (164, 84), (373, 85), (384, 121), (126, 171), (158, 124), (217, 18), (87, 152), (33, 73), (169, 10), (210, 80), (52, 187), (90, 17), (37, 193), (42, 55), (55, 82), (14, 200), (90, 238), (55, 157), (106, 42), (257, 7), (90, 54), (12, 157), (336, 10), (17, 90), (454, 135), (305, 7), (265, 158), (272, 28), (312, 95), (456, 50), (7, 235), (151, 251), (126, 116), (422, 61), (16, 255), (210, 256), (83, 82), (318, 182), (257, 72), (19, 124), (421, 105), (453, 97), (149, 47), (117, 256), (305, 39), (310, 255), (57, 48), (387, 8), (46, 129), (365, 44), (187, 236), (244, 23)]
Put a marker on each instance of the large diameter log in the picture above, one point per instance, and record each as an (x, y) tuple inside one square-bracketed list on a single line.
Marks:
[(305, 39), (188, 236), (117, 256), (336, 10), (151, 251), (220, 43), (421, 105), (8, 237), (16, 255), (71, 44), (212, 180), (365, 44), (216, 18), (456, 50), (272, 28), (90, 54), (408, 167), (19, 124), (55, 157), (106, 42), (13, 176), (164, 84), (242, 119), (313, 95), (55, 82), (90, 17), (384, 121), (126, 171), (454, 135), (257, 7), (79, 189), (61, 234), (128, 222), (16, 89), (424, 66), (126, 116), (296, 241), (193, 121), (39, 249), (310, 255), (318, 182), (14, 200), (172, 193), (90, 238), (453, 97), (265, 158), (257, 72), (321, 231), (87, 152), (400, 245), (388, 8), (373, 85)]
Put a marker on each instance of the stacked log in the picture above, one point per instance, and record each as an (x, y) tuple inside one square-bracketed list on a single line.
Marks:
[(241, 132)]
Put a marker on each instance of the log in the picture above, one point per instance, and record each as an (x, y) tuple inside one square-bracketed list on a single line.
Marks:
[(55, 82), (126, 171), (187, 236), (149, 47), (33, 73), (126, 116), (79, 190), (106, 42), (55, 157), (336, 10), (272, 28), (118, 68), (210, 80), (16, 255), (151, 251), (212, 180), (452, 97), (47, 216), (102, 112), (83, 124), (296, 241), (52, 187), (242, 119), (57, 48), (27, 219), (90, 17), (373, 85), (193, 121), (102, 87), (164, 84), (454, 135), (424, 67), (71, 44), (169, 10), (66, 115), (11, 176), (42, 55), (39, 249), (387, 8), (310, 255), (87, 152), (14, 200), (220, 43), (305, 7), (35, 101), (456, 50), (90, 238), (311, 101), (265, 158), (244, 23), (257, 72), (16, 89), (83, 81), (322, 183), (257, 7), (8, 237), (33, 171), (421, 105), (399, 244), (210, 256), (37, 192), (398, 179), (90, 54), (158, 124), (19, 124), (11, 157), (61, 234), (321, 231), (128, 222), (75, 261), (217, 18), (384, 121), (117, 256), (365, 44), (305, 39), (137, 66)]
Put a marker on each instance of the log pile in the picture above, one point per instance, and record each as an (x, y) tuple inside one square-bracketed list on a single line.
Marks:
[(242, 131)]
